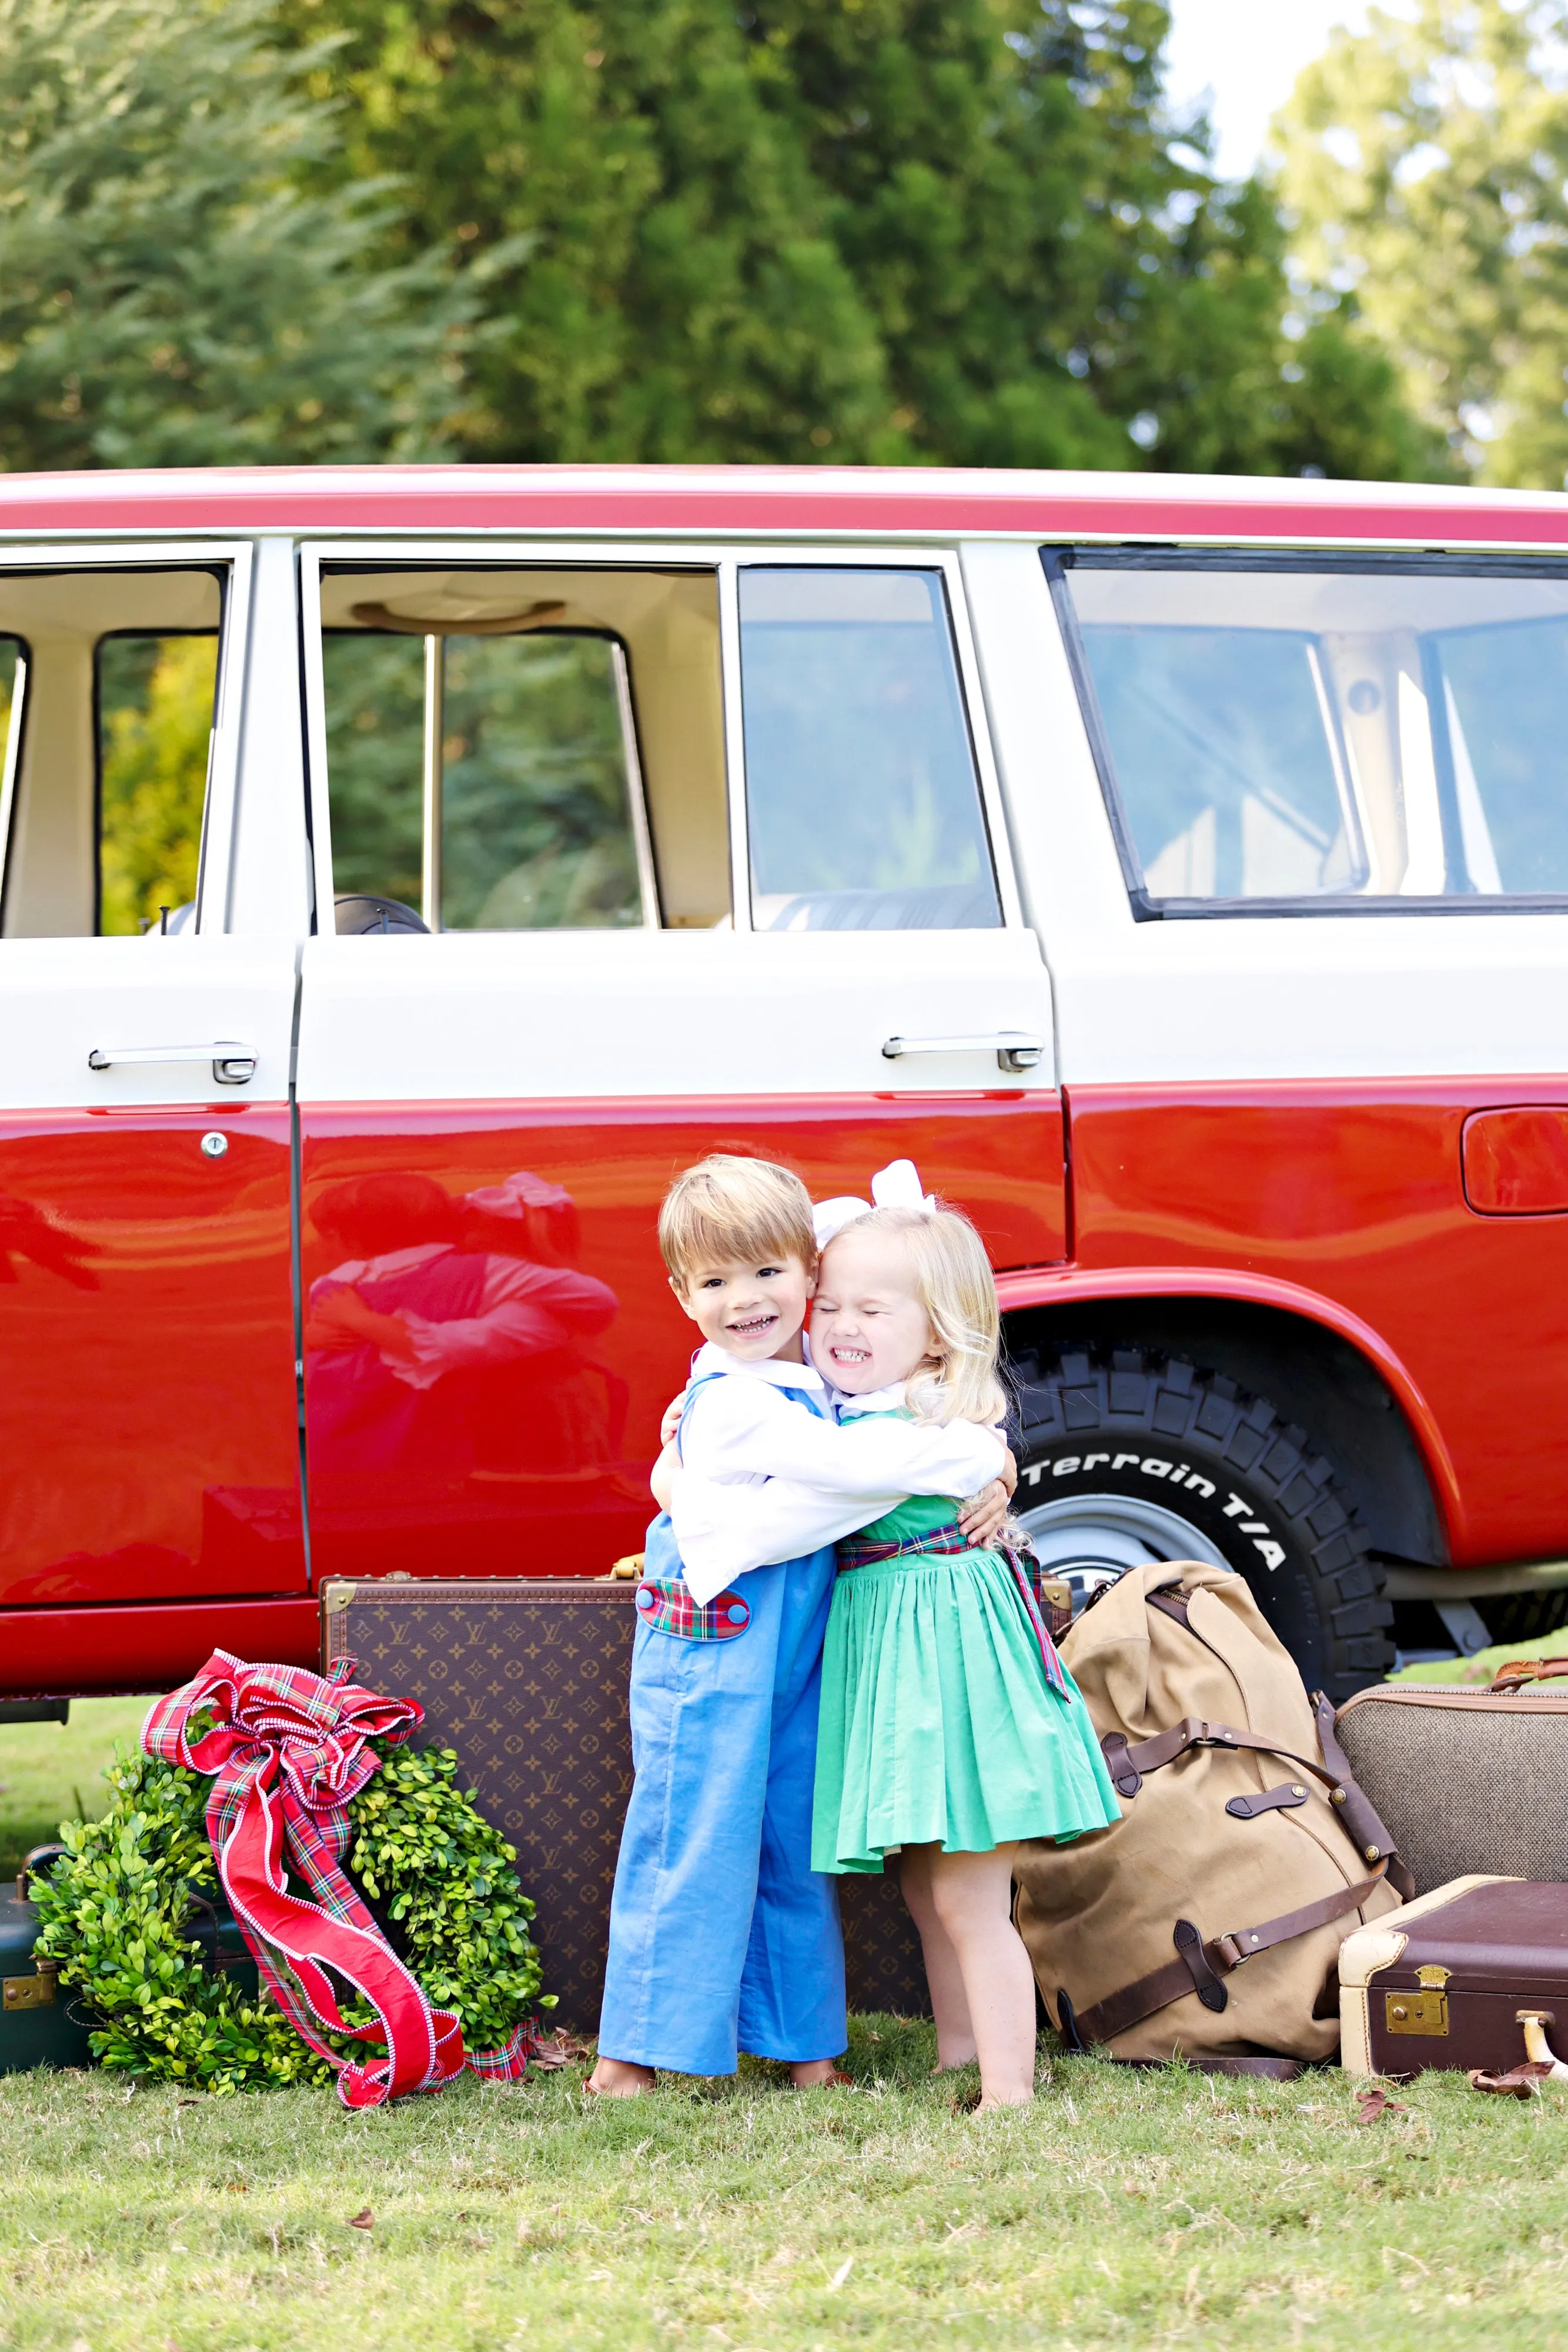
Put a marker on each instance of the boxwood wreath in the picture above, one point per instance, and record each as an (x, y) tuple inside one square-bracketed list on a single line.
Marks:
[(121, 1906)]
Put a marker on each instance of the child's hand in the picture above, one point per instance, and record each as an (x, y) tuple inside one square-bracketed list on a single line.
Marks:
[(667, 1470), (672, 1420), (982, 1516)]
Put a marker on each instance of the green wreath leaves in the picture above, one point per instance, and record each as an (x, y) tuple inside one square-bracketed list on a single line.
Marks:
[(122, 1906)]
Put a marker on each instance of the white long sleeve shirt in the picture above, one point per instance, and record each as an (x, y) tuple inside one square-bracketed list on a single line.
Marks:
[(763, 1479)]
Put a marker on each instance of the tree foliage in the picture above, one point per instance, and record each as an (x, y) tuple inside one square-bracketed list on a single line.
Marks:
[(169, 293), (949, 231), (1425, 171)]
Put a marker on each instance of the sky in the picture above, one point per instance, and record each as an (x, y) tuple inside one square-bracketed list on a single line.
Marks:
[(1247, 53)]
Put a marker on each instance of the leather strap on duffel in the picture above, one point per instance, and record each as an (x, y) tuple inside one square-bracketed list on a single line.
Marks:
[(1127, 1765), (1199, 1967)]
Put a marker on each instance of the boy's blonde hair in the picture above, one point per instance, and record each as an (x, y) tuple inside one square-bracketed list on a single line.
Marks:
[(729, 1207), (953, 1283)]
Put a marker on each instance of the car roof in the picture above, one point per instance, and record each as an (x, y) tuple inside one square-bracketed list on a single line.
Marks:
[(804, 502)]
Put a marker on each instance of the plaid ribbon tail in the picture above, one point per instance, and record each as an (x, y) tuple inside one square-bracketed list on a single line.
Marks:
[(1055, 1673), (288, 1751)]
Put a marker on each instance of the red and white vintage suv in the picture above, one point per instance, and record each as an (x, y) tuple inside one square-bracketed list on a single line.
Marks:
[(1176, 870)]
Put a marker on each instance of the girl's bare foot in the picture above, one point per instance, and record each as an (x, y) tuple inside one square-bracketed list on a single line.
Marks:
[(812, 2074), (989, 2100), (616, 2078)]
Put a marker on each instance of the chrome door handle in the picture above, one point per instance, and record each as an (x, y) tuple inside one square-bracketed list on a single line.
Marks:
[(233, 1064), (1015, 1049)]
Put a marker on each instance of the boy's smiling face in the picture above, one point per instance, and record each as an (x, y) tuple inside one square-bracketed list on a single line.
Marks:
[(754, 1312)]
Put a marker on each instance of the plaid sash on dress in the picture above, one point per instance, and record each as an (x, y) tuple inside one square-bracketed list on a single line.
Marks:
[(287, 1752), (854, 1551)]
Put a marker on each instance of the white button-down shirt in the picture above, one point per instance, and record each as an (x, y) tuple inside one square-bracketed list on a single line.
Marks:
[(763, 1479)]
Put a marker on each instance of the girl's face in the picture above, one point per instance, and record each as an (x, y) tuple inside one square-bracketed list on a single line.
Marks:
[(868, 1328)]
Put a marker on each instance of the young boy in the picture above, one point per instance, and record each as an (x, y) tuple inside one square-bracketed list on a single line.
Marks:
[(721, 1936)]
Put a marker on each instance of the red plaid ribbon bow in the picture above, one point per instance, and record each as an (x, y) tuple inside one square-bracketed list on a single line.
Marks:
[(287, 1752)]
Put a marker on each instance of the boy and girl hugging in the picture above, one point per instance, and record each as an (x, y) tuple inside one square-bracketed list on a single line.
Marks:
[(832, 1663)]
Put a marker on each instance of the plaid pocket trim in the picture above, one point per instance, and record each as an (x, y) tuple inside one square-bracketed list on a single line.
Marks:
[(665, 1606)]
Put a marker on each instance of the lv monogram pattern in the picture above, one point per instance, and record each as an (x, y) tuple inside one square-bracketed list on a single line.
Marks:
[(527, 1680)]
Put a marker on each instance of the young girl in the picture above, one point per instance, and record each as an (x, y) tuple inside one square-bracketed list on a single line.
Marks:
[(949, 1729)]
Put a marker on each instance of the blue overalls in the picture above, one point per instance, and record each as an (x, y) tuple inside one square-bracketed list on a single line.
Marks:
[(722, 1938)]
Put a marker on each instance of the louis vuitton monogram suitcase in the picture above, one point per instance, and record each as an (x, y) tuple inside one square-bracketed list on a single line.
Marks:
[(525, 1678)]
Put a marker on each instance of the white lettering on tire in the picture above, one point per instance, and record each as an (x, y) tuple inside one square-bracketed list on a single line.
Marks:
[(1179, 1474)]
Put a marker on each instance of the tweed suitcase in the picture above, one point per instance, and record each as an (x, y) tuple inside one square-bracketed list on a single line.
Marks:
[(525, 1678), (1467, 1780), (1456, 1979)]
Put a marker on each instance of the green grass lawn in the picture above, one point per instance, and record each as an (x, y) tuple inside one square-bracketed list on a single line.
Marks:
[(1123, 2209)]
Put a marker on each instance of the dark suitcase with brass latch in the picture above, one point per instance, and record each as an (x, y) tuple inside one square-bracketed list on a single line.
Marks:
[(1474, 1974), (42, 2023)]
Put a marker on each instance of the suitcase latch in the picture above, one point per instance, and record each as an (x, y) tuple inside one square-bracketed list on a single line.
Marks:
[(29, 1992), (1426, 2011)]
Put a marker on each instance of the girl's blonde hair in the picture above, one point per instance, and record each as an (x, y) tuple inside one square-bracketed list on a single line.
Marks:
[(953, 1283)]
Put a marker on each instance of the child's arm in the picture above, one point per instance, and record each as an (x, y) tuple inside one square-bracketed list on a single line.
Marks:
[(724, 1528), (741, 1429)]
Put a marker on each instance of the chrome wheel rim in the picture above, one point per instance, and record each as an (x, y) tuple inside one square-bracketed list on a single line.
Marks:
[(1090, 1541)]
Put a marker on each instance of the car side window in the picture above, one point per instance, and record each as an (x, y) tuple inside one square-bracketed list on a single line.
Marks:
[(107, 687), (154, 703), (1335, 733), (518, 747), (862, 799)]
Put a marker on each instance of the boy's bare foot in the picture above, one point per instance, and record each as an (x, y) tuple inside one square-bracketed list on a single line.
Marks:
[(989, 2101), (813, 2073), (616, 2078)]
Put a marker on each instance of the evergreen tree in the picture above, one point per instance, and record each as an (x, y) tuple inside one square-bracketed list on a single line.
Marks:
[(1424, 169), (940, 230), (168, 293)]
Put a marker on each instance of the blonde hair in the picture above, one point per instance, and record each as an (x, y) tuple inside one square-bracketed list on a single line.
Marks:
[(731, 1207), (953, 1283)]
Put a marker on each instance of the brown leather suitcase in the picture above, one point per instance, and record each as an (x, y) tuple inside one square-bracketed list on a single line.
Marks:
[(525, 1678), (1458, 1775), (1453, 1980)]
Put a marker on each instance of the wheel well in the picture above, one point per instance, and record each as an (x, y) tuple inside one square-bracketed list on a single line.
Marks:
[(1307, 1372)]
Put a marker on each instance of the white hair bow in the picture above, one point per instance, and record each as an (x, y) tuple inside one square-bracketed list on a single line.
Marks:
[(896, 1186), (520, 1190)]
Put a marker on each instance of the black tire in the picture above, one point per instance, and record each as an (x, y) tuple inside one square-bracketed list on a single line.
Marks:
[(1192, 1443), (1522, 1616)]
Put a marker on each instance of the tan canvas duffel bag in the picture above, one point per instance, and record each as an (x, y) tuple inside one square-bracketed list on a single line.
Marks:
[(1208, 1920), (1467, 1780)]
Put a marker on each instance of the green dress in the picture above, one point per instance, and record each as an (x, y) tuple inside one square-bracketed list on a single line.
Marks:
[(938, 1724)]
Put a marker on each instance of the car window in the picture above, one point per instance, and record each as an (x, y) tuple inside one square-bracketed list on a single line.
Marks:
[(154, 703), (533, 754), (862, 801), (1328, 734)]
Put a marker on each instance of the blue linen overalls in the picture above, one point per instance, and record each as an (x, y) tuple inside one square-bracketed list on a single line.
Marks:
[(722, 1938)]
